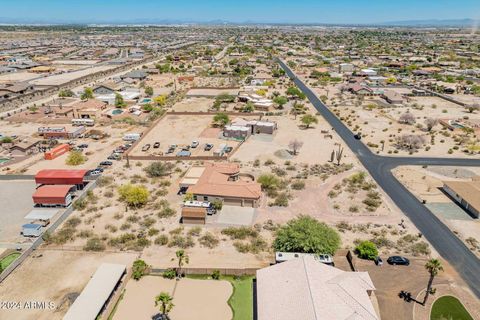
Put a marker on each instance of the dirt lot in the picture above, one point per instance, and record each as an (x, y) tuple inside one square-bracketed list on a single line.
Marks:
[(56, 275), (16, 201), (182, 130), (193, 299)]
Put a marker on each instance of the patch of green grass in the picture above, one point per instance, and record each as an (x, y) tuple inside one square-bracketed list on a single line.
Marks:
[(7, 260), (449, 308), (241, 300)]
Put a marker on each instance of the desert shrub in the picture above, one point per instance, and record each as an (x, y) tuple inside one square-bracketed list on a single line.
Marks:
[(241, 246), (195, 231), (104, 181), (159, 169), (308, 235), (281, 200), (208, 240), (139, 269), (181, 242), (73, 222), (148, 222), (152, 232), (75, 158), (169, 274), (161, 240), (94, 244), (216, 274), (80, 204), (367, 250), (217, 204), (419, 248), (166, 212), (268, 181), (298, 185), (239, 233), (85, 234)]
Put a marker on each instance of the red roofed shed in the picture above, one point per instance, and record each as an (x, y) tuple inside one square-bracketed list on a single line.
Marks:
[(54, 195), (62, 177)]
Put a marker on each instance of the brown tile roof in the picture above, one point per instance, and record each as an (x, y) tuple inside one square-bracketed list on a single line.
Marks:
[(90, 104), (215, 182)]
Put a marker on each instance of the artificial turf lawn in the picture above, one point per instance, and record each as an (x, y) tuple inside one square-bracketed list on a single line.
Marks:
[(241, 300), (448, 307), (6, 261)]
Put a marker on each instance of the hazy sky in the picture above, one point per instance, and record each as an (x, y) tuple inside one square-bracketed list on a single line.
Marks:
[(296, 11)]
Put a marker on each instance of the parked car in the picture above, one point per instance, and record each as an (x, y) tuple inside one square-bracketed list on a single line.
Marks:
[(170, 150), (378, 261), (186, 148), (119, 151), (83, 146), (114, 156), (398, 260), (146, 147), (195, 144), (156, 145), (208, 147), (228, 149), (106, 163), (100, 169), (358, 136), (95, 172)]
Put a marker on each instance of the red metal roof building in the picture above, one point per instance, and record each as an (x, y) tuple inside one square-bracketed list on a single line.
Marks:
[(53, 195), (61, 177)]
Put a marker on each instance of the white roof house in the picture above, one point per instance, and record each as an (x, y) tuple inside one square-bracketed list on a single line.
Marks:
[(304, 288), (90, 302)]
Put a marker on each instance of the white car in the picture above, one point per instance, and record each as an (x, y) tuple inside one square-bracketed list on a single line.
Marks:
[(195, 144)]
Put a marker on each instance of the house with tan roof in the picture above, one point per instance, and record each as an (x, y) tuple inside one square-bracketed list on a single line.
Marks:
[(224, 182), (89, 109), (466, 194), (305, 288)]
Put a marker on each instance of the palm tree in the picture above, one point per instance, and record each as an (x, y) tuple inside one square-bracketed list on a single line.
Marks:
[(165, 301), (433, 266), (182, 257)]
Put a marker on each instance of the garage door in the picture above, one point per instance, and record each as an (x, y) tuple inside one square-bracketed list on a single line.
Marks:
[(232, 202), (248, 203)]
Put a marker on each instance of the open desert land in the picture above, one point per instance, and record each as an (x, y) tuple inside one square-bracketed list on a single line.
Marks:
[(381, 127), (53, 276), (426, 184)]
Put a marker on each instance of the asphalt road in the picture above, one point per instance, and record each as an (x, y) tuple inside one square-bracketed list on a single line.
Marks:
[(438, 234)]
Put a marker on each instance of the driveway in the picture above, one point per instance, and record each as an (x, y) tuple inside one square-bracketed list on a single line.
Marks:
[(233, 216)]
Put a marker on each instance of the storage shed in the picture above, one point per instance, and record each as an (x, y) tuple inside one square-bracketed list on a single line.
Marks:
[(53, 195), (194, 215)]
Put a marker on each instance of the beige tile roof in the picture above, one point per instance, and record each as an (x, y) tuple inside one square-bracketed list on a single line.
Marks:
[(304, 288)]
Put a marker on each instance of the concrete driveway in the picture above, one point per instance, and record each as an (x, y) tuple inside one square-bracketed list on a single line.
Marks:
[(233, 216)]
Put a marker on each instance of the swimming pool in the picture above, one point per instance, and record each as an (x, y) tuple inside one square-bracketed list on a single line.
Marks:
[(146, 100), (117, 111)]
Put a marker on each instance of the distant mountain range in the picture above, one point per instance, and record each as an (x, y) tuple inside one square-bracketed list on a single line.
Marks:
[(459, 23)]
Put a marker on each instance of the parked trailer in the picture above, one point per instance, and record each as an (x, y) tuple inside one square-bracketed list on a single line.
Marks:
[(83, 122), (57, 151)]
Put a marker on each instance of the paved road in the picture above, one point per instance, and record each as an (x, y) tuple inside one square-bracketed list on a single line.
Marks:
[(442, 239)]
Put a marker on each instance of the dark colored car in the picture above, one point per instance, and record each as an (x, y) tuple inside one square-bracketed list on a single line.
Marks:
[(228, 149), (208, 147), (398, 260), (156, 145), (106, 163), (358, 136), (378, 261), (83, 146)]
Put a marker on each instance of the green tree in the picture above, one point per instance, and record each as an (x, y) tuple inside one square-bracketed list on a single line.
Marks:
[(182, 258), (165, 302), (160, 100), (7, 140), (367, 250), (221, 119), (280, 101), (139, 269), (75, 158), (308, 120), (65, 93), (433, 266), (149, 91), (134, 195), (249, 107), (159, 169), (87, 94), (119, 102), (268, 181), (307, 235)]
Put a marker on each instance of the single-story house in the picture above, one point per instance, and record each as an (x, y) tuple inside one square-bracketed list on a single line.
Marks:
[(242, 129), (25, 147), (88, 109), (305, 288), (223, 181), (392, 97), (466, 194), (135, 74), (60, 132)]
